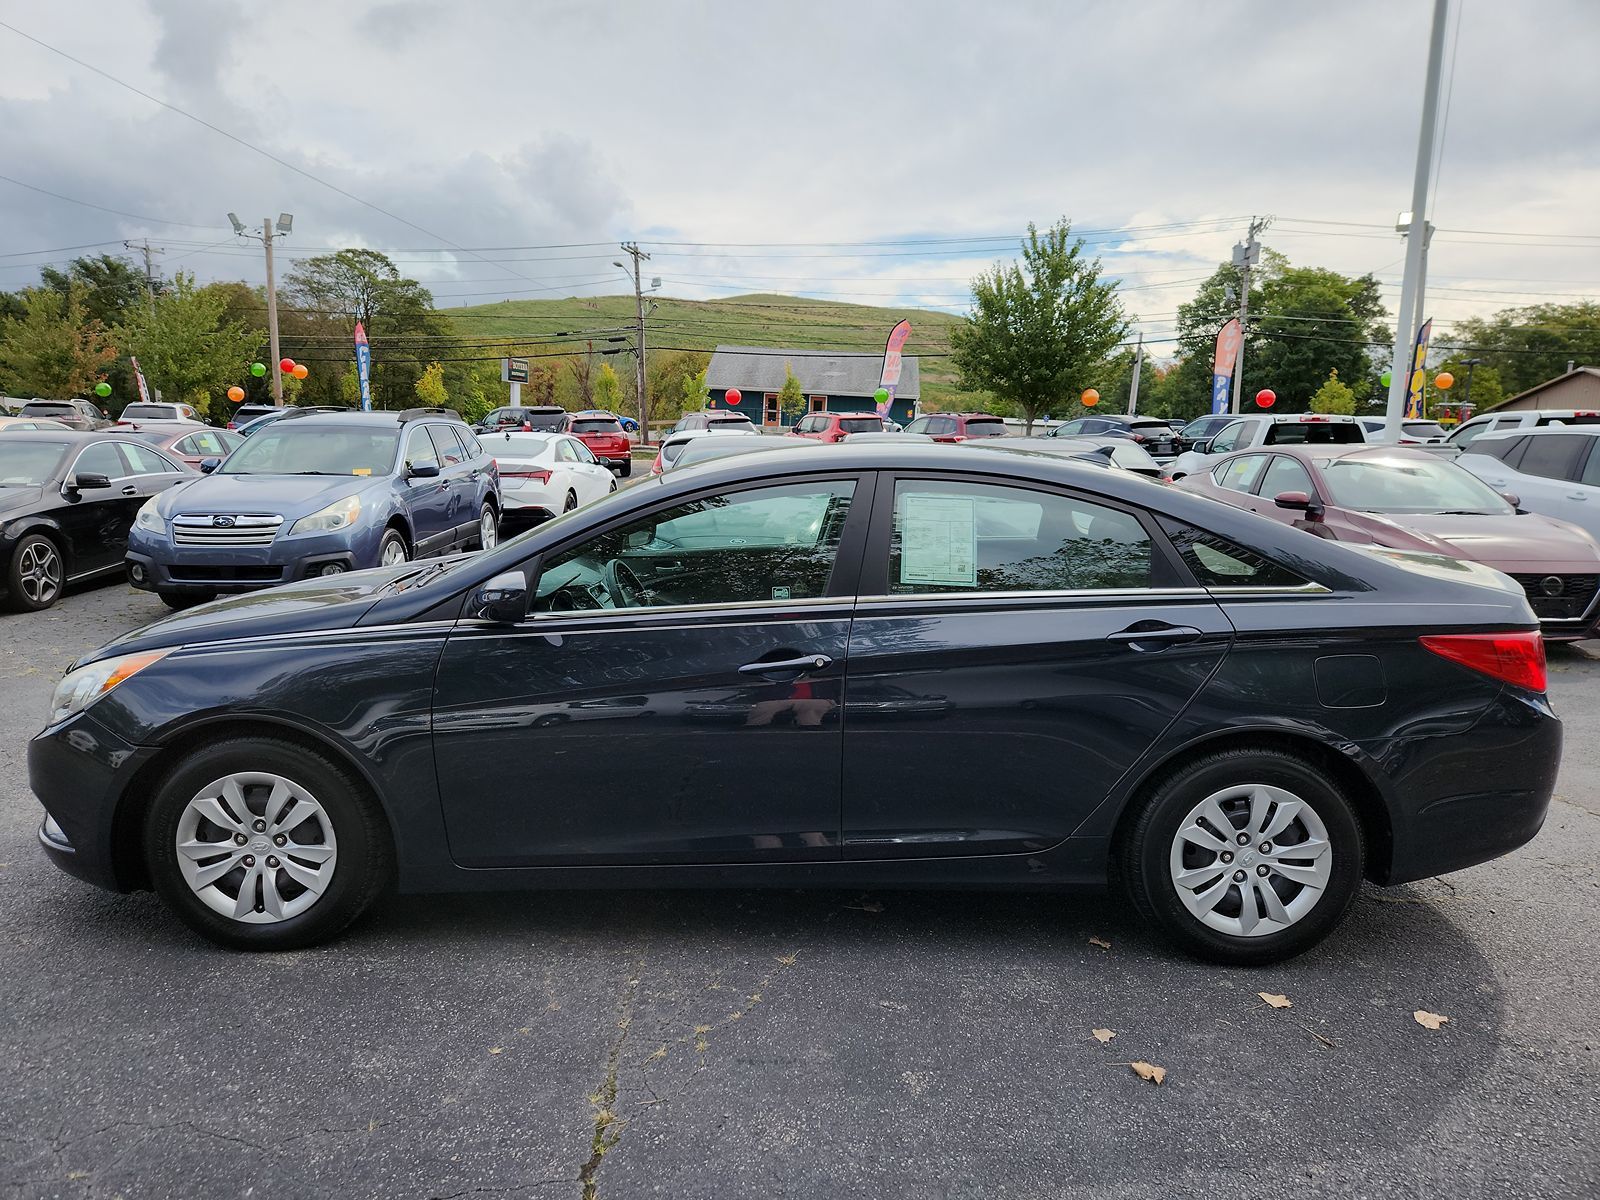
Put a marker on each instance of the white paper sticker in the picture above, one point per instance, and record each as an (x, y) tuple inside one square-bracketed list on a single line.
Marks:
[(938, 540)]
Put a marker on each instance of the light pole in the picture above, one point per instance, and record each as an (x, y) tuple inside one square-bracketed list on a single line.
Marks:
[(285, 224), (1466, 392)]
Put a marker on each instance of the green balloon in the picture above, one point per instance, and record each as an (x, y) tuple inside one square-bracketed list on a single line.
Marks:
[(102, 389), (881, 395), (258, 369), (1386, 378)]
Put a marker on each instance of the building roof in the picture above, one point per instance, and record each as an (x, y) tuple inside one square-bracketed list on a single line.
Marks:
[(821, 372), (1548, 383)]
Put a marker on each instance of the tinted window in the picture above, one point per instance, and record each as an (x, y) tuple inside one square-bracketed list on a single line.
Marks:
[(100, 459), (546, 421), (149, 411), (1313, 433), (988, 427), (1285, 474), (1230, 438), (1240, 474), (959, 537), (61, 409), (1553, 455), (861, 424), (1507, 449), (447, 445), (419, 451), (142, 460), (1217, 562), (776, 543), (596, 425)]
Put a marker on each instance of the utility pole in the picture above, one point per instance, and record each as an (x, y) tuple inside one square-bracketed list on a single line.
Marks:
[(632, 250), (1133, 388), (1245, 255), (284, 225), (1416, 247), (147, 250)]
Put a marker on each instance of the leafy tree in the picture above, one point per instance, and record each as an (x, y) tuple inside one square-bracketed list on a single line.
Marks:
[(582, 368), (1041, 330), (1487, 390), (109, 285), (350, 387), (1526, 346), (1334, 397), (541, 385), (791, 400), (607, 389), (430, 387), (54, 348), (185, 345), (669, 383)]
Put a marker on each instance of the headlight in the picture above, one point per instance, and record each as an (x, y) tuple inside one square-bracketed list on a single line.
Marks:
[(81, 688), (149, 518), (341, 514)]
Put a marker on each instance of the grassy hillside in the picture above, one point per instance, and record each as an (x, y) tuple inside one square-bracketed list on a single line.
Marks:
[(755, 320)]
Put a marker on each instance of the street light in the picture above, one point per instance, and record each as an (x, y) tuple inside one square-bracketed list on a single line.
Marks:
[(238, 225), (1466, 392)]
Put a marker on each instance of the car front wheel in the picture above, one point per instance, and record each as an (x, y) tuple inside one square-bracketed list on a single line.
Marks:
[(1243, 856), (261, 844), (34, 579), (392, 550)]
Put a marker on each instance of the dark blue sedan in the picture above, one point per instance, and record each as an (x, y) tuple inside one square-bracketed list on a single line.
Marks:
[(882, 665), (319, 494)]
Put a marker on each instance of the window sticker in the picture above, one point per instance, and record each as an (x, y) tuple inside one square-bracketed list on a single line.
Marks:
[(939, 540)]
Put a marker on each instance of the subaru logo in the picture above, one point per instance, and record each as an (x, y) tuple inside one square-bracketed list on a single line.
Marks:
[(222, 522), (1551, 585)]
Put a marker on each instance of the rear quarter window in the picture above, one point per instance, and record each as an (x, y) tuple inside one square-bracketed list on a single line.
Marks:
[(1217, 562)]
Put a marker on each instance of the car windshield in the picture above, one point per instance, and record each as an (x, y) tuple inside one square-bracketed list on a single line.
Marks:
[(29, 463), (549, 422), (597, 425), (986, 427), (290, 448), (1396, 484), (47, 410), (1423, 429)]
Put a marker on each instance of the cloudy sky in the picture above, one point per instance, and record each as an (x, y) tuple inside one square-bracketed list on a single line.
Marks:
[(866, 150)]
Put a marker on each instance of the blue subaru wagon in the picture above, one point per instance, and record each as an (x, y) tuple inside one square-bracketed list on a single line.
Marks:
[(318, 495)]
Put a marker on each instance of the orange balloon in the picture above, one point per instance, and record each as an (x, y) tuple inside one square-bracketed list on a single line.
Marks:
[(1444, 381), (236, 393), (300, 371), (1090, 397)]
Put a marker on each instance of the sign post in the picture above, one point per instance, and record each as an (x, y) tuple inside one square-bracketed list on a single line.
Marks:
[(364, 367), (515, 372)]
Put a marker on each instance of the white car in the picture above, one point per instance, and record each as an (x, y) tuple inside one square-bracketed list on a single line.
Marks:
[(1412, 431), (542, 474), (140, 411), (1261, 429), (673, 444), (1552, 470)]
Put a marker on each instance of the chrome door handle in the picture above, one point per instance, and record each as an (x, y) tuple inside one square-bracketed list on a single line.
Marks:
[(799, 666), (1168, 634), (130, 490), (1576, 496)]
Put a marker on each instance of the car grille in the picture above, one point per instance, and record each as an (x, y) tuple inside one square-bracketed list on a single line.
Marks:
[(225, 529), (1559, 597), (182, 573)]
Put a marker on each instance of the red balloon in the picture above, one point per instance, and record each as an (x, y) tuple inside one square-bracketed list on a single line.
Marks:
[(1266, 398), (286, 365), (733, 397)]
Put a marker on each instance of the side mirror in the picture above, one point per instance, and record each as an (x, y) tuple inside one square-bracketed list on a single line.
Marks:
[(1512, 499), (87, 481), (1203, 446), (503, 599), (422, 471), (208, 465), (1299, 502)]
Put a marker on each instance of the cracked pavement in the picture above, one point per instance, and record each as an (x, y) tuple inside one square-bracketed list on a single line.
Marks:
[(727, 1045)]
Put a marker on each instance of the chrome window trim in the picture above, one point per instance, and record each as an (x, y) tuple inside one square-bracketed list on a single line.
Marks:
[(723, 606), (1304, 589), (1175, 593)]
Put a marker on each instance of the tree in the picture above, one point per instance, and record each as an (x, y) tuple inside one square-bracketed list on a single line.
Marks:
[(53, 349), (696, 391), (1039, 331), (185, 345), (1487, 389), (582, 368), (791, 400), (1526, 346), (109, 285), (1334, 397), (667, 383), (607, 389), (430, 387)]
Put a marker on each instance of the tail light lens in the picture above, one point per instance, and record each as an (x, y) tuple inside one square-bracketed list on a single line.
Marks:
[(533, 473), (655, 467), (1514, 658)]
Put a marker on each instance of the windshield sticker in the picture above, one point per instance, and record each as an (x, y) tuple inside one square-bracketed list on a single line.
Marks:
[(362, 471), (939, 540)]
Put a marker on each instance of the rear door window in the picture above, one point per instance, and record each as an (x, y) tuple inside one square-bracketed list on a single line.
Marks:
[(1313, 433), (1553, 455), (1217, 562), (447, 445), (975, 537)]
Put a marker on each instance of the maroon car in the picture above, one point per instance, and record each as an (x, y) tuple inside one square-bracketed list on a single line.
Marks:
[(184, 439), (1413, 500)]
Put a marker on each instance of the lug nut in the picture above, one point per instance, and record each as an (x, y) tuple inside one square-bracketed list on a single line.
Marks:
[(249, 860), (272, 862), (1244, 839), (259, 826), (1266, 847), (1238, 876), (281, 840), (1261, 870), (239, 839), (1226, 856)]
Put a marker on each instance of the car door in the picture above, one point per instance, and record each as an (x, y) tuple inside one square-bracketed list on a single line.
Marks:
[(593, 476), (1011, 614), (461, 510), (693, 717), (426, 497), (96, 520), (1286, 473), (1542, 471)]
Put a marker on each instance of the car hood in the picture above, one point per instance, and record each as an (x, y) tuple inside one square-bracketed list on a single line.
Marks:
[(1511, 542), (15, 499), (322, 604), (287, 495)]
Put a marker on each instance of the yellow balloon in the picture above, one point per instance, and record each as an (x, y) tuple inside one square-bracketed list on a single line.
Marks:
[(1444, 381)]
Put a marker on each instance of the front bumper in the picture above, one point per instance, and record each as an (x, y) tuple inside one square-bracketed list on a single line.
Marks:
[(80, 772), (158, 565)]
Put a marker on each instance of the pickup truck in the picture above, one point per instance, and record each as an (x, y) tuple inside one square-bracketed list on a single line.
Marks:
[(1269, 429)]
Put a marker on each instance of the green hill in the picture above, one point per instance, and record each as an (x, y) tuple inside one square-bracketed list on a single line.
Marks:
[(555, 326)]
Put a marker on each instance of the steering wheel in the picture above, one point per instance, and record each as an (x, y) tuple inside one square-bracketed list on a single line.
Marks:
[(622, 585)]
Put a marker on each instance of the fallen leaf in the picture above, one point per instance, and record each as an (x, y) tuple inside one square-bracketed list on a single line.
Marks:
[(1275, 1001), (1101, 942), (1427, 1019), (1326, 1041), (1103, 1035), (495, 1049), (870, 906), (1149, 1071), (788, 960)]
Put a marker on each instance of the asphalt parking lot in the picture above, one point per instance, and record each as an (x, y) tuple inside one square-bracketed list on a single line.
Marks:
[(732, 1045)]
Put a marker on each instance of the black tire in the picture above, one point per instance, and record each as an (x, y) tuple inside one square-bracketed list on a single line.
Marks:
[(178, 601), (488, 509), (36, 574), (1141, 858), (390, 537), (627, 467), (363, 865), (612, 489), (570, 503)]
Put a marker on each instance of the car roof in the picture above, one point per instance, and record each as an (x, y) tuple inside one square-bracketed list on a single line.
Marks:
[(75, 436), (1340, 450), (1540, 431)]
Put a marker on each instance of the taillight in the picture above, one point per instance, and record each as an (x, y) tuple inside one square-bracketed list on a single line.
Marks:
[(655, 467), (533, 473), (1515, 658)]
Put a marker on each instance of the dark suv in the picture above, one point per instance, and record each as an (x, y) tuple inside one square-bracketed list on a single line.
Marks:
[(959, 427), (319, 495), (540, 418), (1154, 434), (74, 414)]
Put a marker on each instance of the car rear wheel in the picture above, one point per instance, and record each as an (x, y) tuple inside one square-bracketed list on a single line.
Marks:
[(34, 579), (627, 467), (488, 528), (1243, 856), (261, 844), (392, 550), (570, 503)]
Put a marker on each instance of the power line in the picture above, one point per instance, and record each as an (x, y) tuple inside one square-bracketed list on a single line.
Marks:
[(100, 207)]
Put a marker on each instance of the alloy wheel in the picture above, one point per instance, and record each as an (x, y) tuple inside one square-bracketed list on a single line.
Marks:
[(393, 553), (1251, 860), (488, 529), (256, 847), (39, 572)]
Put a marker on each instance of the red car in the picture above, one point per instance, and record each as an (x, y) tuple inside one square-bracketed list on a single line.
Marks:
[(184, 439), (959, 427), (1404, 499), (834, 427), (602, 433)]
